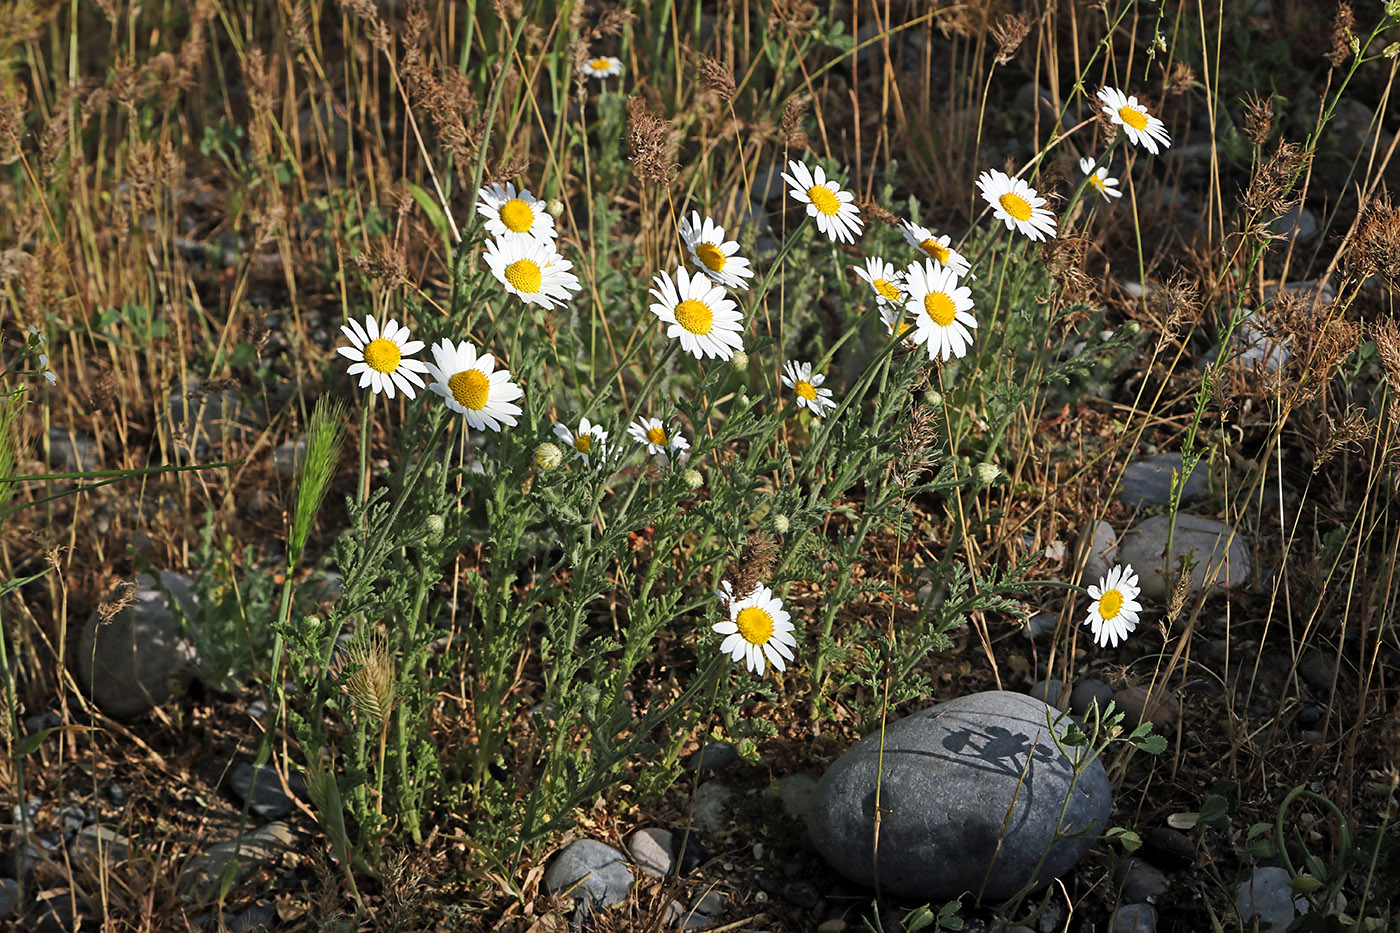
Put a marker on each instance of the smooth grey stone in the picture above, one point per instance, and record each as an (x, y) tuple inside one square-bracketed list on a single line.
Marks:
[(1313, 737), (1039, 624), (677, 916), (1149, 482), (1256, 349), (711, 800), (240, 856), (1295, 223), (797, 792), (1140, 882), (800, 894), (714, 756), (1316, 671), (1309, 716), (1266, 897), (71, 451), (949, 777), (1089, 693), (650, 848), (74, 819), (711, 904), (1052, 691), (1133, 703), (1220, 555), (590, 871), (24, 814), (269, 800), (101, 844), (1134, 918), (9, 897), (258, 918), (1095, 550), (116, 793), (288, 456), (40, 722), (1168, 848), (57, 911), (130, 663)]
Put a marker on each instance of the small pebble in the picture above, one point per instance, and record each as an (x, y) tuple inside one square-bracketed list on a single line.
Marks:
[(714, 756), (832, 926), (801, 895), (1309, 716), (651, 849), (1134, 918)]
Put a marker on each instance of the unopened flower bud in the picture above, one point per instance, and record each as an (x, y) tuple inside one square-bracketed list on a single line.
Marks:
[(934, 399), (740, 362), (548, 456), (781, 524), (987, 473), (555, 207), (1132, 327), (435, 526), (693, 479), (590, 694)]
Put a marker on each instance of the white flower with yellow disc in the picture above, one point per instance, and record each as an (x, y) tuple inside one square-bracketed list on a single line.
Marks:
[(381, 357), (887, 281), (834, 209), (758, 630), (941, 309), (510, 214), (1141, 127), (717, 257), (589, 443), (808, 388), (937, 248), (1114, 613), (1017, 204), (473, 387), (532, 269), (700, 316)]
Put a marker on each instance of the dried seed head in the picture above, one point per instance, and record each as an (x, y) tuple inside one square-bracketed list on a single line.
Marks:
[(1386, 335), (1182, 79), (1272, 189), (1009, 33), (649, 140), (1343, 34), (1375, 248), (717, 79), (753, 564), (918, 447), (123, 597), (13, 104), (1258, 118), (1353, 429), (794, 136), (1178, 304)]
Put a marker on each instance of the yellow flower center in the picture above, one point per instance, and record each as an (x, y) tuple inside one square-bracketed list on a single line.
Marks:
[(1097, 182), (525, 276), (712, 256), (695, 316), (470, 388), (940, 307), (656, 435), (382, 355), (1110, 604), (1134, 117), (886, 289), (584, 443), (902, 327), (824, 200), (806, 390), (1015, 205), (755, 624), (600, 64), (935, 251), (517, 216)]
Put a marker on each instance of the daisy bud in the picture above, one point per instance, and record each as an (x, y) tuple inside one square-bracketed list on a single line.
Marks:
[(693, 479), (740, 362), (435, 526), (987, 473), (590, 694), (934, 399), (1132, 327), (781, 524), (555, 207), (548, 456)]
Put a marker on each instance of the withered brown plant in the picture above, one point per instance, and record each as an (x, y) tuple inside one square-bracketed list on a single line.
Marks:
[(1273, 190), (1343, 34), (1009, 33), (717, 79), (1258, 118), (794, 136), (755, 560), (1375, 247), (648, 140)]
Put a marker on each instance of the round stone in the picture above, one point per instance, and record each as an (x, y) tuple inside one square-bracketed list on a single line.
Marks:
[(591, 871), (971, 794), (138, 659)]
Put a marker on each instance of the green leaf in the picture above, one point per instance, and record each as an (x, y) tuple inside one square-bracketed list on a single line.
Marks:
[(1216, 811), (431, 207), (918, 919)]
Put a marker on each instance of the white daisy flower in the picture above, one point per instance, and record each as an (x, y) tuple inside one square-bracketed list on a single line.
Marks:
[(53, 380), (940, 309), (1141, 127), (590, 441), (1016, 203), (835, 210), (936, 248), (532, 269), (652, 434), (701, 317), (887, 281), (758, 630), (810, 395), (713, 253), (1115, 610), (604, 66), (473, 386), (381, 357), (1099, 180), (897, 317), (510, 214)]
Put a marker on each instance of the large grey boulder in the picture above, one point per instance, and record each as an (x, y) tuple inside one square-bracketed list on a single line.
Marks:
[(130, 663), (970, 792), (1220, 555)]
